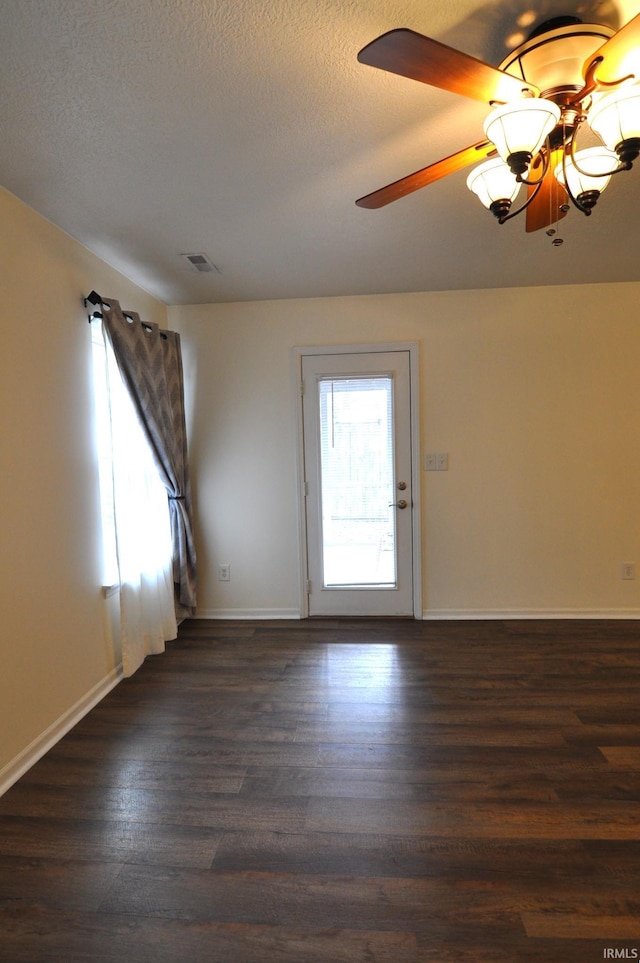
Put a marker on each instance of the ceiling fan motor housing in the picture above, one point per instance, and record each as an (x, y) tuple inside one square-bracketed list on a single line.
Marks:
[(553, 57)]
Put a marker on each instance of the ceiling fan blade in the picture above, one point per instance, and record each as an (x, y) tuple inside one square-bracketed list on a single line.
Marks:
[(545, 209), (411, 55), (421, 178), (619, 56)]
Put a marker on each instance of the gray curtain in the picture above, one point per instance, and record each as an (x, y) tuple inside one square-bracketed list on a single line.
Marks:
[(150, 361)]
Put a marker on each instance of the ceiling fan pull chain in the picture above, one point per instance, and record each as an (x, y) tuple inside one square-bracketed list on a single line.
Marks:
[(554, 214), (552, 230), (554, 233)]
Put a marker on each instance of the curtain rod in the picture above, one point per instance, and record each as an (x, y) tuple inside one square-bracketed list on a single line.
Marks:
[(94, 298)]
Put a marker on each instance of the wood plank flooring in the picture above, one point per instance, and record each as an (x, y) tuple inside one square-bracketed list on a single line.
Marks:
[(326, 791)]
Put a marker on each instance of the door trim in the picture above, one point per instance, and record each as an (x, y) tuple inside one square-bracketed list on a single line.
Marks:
[(297, 354)]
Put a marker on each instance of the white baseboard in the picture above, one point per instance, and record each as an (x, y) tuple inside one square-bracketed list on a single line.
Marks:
[(440, 614), (248, 614), (478, 614), (46, 740)]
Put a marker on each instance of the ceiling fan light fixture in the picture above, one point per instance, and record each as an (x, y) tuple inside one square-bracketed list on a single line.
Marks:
[(615, 118), (495, 185), (566, 73), (587, 174), (519, 129)]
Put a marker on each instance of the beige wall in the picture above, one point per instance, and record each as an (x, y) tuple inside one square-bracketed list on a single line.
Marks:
[(534, 395), (53, 648)]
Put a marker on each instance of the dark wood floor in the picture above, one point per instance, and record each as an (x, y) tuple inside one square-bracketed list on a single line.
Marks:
[(328, 792)]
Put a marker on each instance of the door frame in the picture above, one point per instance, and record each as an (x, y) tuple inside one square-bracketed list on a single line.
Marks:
[(297, 354)]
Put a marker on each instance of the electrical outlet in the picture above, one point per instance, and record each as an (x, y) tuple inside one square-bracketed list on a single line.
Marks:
[(224, 572), (628, 570)]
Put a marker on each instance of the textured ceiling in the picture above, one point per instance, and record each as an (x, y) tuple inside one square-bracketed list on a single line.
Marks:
[(246, 130)]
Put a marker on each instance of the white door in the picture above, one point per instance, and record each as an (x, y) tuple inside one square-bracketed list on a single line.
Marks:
[(358, 483)]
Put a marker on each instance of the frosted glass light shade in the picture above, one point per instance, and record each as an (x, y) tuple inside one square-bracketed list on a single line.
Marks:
[(592, 162), (493, 181), (522, 126), (616, 117)]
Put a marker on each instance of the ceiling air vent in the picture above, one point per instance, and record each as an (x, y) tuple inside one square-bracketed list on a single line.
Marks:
[(200, 263)]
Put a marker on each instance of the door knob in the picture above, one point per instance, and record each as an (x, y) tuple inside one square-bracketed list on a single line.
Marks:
[(401, 504), (402, 486)]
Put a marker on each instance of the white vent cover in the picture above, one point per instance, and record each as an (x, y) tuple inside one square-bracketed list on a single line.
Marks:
[(200, 263)]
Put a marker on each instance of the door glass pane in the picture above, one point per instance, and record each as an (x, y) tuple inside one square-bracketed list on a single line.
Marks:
[(357, 482)]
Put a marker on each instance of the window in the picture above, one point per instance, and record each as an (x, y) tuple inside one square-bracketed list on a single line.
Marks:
[(357, 475), (104, 454), (136, 534)]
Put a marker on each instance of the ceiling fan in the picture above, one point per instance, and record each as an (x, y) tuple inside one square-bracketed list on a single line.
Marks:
[(567, 73)]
